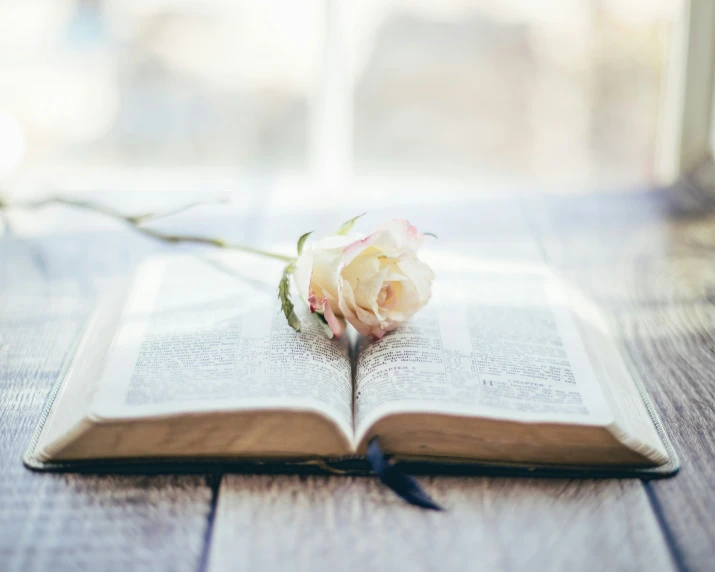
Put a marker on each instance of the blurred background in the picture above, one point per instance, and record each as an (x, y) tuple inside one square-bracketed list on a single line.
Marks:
[(557, 95)]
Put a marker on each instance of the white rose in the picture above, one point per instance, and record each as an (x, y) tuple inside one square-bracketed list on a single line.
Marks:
[(374, 282)]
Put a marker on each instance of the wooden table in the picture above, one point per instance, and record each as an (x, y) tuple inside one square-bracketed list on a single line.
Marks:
[(647, 257)]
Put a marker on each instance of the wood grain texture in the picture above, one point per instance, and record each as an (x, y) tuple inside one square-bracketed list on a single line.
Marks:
[(48, 285), (75, 522), (649, 261), (341, 523), (159, 523)]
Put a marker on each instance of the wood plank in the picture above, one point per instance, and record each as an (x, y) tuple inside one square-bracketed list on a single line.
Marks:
[(648, 260), (349, 523), (66, 517), (49, 280), (75, 521)]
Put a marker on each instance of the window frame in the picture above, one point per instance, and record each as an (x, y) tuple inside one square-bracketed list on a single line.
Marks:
[(687, 130)]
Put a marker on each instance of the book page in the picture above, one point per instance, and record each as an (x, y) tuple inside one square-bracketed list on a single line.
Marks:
[(201, 335), (633, 423), (500, 345)]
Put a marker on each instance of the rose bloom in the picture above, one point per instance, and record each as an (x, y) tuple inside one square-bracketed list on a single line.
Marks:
[(374, 282)]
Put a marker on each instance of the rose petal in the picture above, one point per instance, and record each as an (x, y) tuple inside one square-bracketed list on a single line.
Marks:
[(378, 333), (337, 326), (375, 282), (347, 305), (398, 237), (314, 302), (303, 273), (354, 249)]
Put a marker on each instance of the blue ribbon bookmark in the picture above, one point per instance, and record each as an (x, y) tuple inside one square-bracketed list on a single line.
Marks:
[(393, 478)]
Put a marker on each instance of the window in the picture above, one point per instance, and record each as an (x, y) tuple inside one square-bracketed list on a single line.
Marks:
[(557, 94)]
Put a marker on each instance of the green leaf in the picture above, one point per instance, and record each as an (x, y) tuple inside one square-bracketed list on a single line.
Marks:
[(284, 297), (430, 234), (348, 225), (324, 324), (301, 242)]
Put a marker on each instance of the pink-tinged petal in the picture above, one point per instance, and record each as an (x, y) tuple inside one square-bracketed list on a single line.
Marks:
[(378, 333), (408, 230), (337, 326), (398, 237), (361, 328), (314, 302), (354, 249), (392, 238)]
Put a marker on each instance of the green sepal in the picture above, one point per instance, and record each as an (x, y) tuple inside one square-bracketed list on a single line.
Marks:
[(284, 296), (301, 242), (348, 225)]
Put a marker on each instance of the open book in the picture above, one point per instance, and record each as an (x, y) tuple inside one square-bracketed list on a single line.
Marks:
[(192, 359)]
